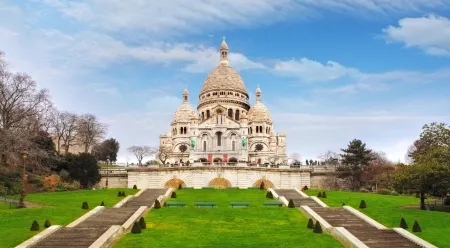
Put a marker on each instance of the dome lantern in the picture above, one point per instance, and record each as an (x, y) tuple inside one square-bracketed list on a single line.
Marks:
[(224, 52)]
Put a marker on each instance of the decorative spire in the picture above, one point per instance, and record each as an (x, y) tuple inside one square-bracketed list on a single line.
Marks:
[(223, 52), (185, 95), (258, 94)]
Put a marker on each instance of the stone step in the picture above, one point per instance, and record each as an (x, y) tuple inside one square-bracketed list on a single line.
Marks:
[(72, 237)]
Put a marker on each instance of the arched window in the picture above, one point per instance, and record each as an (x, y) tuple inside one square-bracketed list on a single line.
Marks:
[(230, 113), (185, 132), (208, 114), (251, 130), (257, 129), (204, 145), (260, 129), (219, 138), (236, 115), (181, 130), (233, 145), (203, 116)]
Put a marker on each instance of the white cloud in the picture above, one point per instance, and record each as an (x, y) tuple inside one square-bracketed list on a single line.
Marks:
[(431, 34)]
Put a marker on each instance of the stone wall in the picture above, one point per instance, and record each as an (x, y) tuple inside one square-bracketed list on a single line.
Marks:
[(114, 181), (203, 176)]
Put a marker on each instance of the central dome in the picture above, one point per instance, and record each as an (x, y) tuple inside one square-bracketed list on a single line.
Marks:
[(223, 77)]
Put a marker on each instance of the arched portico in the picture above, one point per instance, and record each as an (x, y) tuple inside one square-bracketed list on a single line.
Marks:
[(219, 183), (174, 183), (267, 183)]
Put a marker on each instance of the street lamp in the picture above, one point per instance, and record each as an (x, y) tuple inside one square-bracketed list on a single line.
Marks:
[(24, 182), (107, 171)]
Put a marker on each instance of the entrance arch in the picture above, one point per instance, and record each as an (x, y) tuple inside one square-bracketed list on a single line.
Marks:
[(233, 160), (174, 183), (217, 160), (267, 183), (219, 183)]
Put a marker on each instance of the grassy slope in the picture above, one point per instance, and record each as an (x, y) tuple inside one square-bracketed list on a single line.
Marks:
[(255, 226), (388, 210), (60, 208)]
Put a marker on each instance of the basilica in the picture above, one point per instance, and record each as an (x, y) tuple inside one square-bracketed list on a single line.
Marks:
[(225, 129)]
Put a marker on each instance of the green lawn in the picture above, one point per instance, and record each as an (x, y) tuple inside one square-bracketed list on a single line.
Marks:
[(60, 208), (388, 210), (255, 226)]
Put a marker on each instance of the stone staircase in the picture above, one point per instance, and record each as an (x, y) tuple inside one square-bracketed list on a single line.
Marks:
[(340, 217), (369, 235), (298, 199), (87, 232)]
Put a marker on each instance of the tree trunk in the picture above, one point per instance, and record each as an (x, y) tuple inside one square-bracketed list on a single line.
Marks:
[(422, 201)]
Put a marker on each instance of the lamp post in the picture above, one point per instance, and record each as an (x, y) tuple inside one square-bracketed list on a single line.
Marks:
[(23, 193), (107, 170)]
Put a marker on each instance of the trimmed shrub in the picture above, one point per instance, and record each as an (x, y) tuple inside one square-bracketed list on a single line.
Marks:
[(416, 227), (47, 223), (305, 187), (261, 186), (119, 193), (291, 204), (317, 228), (343, 204), (310, 224), (102, 204), (324, 195), (362, 204), (35, 226), (417, 195), (157, 204), (319, 195), (123, 194), (174, 195), (142, 223), (136, 228), (135, 187), (403, 223), (179, 186), (85, 205), (269, 195)]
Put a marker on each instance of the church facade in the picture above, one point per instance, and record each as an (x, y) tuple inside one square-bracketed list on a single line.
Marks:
[(225, 129)]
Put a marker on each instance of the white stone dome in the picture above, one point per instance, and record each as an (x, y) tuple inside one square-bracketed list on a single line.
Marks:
[(259, 113), (185, 113), (223, 77)]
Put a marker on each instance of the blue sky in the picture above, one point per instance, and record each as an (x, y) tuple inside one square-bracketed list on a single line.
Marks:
[(330, 70)]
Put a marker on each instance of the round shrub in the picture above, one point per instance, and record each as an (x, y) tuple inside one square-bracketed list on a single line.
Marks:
[(343, 204), (416, 227), (291, 204), (319, 195), (362, 204), (310, 224), (85, 205), (317, 228), (179, 186), (269, 195), (119, 193), (142, 223), (403, 223), (123, 194), (136, 228), (35, 226), (135, 187), (47, 223), (324, 195), (174, 195)]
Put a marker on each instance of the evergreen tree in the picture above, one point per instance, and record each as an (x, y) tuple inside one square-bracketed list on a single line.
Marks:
[(362, 204), (47, 223), (355, 157), (142, 223), (324, 195), (136, 228), (291, 204), (403, 223), (174, 195), (84, 205), (310, 223), (317, 228), (35, 226), (416, 227)]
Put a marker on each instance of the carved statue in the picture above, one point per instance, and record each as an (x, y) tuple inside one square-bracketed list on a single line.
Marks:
[(244, 142), (192, 143)]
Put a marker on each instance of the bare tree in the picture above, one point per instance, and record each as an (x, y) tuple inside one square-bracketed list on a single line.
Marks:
[(164, 153), (89, 131), (273, 159), (141, 152), (22, 105), (295, 157), (69, 124), (330, 157)]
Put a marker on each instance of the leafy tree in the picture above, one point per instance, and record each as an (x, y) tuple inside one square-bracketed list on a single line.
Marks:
[(83, 168), (182, 149), (354, 159), (108, 149), (429, 172)]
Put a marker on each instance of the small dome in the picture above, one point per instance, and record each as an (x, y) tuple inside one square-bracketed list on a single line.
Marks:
[(185, 113), (224, 45), (223, 78), (259, 113)]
